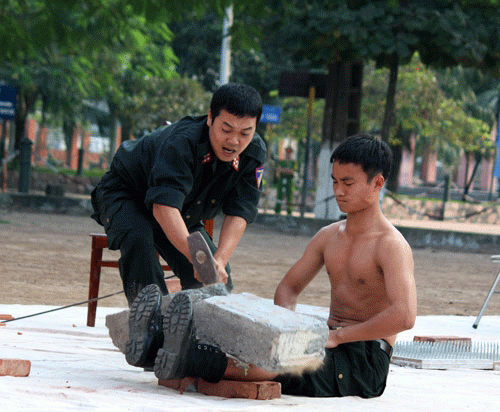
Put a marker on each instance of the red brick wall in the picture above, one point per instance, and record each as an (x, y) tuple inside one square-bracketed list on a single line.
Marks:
[(39, 139)]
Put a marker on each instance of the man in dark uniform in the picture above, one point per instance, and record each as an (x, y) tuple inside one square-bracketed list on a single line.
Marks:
[(160, 187)]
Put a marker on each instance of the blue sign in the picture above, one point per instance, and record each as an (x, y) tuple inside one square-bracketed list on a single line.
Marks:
[(7, 102), (270, 114)]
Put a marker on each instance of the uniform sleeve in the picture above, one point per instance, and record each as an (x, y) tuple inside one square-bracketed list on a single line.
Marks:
[(243, 200), (171, 177)]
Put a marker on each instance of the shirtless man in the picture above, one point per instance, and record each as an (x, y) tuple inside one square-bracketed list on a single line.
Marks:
[(373, 294)]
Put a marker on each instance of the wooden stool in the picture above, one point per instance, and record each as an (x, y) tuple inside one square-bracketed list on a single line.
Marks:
[(100, 242)]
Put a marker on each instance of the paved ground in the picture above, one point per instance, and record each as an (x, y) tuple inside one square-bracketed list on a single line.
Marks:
[(45, 261)]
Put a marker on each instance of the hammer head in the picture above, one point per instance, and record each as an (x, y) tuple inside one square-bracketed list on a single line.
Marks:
[(203, 260)]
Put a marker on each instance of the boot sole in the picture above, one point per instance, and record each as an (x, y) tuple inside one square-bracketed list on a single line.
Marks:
[(145, 306), (177, 328)]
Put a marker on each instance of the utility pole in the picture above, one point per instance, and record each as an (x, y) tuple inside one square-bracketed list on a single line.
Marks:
[(225, 61)]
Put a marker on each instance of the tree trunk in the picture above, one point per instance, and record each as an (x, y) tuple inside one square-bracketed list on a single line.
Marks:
[(467, 187), (388, 122), (68, 132), (25, 105), (112, 130), (342, 101), (126, 129)]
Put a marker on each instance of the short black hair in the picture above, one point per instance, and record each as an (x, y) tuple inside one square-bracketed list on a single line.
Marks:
[(374, 155), (238, 99)]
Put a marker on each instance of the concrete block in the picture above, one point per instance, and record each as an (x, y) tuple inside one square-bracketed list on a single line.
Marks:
[(320, 312), (256, 331), (117, 323), (217, 289), (15, 367)]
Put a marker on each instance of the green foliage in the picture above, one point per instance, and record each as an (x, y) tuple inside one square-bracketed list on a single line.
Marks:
[(76, 50), (477, 91), (257, 52), (294, 122), (444, 32), (422, 107), (63, 51), (169, 100)]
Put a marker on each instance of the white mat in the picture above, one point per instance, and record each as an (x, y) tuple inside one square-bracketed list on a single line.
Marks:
[(76, 368)]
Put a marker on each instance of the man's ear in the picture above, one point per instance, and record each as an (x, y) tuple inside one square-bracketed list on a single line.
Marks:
[(379, 181), (209, 118)]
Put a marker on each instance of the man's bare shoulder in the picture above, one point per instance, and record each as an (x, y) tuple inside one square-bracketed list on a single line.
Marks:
[(320, 240), (330, 230), (393, 240)]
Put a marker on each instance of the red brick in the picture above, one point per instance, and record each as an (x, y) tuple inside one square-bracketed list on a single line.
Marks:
[(173, 285), (238, 389), (179, 384), (228, 389), (14, 367), (6, 317), (441, 339)]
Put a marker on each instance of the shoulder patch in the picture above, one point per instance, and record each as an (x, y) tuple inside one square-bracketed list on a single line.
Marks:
[(259, 172)]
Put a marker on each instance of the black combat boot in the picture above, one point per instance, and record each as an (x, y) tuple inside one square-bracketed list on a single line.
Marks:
[(145, 328), (181, 355)]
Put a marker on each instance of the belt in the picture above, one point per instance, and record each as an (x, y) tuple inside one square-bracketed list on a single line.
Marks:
[(385, 346)]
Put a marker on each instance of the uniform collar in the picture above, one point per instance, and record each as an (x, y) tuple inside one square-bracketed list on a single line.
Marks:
[(209, 157)]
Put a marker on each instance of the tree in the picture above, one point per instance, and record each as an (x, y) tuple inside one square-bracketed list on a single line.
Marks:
[(124, 73), (170, 100), (445, 33), (423, 109), (127, 32), (62, 66)]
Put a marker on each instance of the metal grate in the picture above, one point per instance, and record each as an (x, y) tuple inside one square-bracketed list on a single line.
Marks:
[(446, 355)]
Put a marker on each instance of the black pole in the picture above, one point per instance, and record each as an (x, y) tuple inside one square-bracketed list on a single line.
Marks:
[(3, 170), (24, 170), (446, 194), (81, 154), (3, 138), (312, 92)]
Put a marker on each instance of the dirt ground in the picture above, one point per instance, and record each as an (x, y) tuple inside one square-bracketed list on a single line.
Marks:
[(44, 260)]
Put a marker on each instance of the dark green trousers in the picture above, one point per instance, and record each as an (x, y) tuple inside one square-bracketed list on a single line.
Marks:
[(350, 369)]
